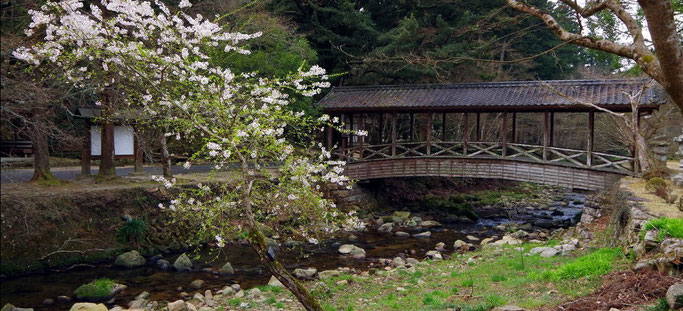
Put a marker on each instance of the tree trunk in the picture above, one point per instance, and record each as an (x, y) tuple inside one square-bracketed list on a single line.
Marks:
[(665, 37), (107, 166), (165, 157), (41, 153), (641, 152), (258, 242)]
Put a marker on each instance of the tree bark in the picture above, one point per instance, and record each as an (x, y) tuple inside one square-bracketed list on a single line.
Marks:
[(165, 157), (660, 20), (41, 152), (258, 242), (107, 166)]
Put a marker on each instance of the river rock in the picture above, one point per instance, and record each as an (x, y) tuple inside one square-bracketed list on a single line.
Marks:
[(485, 241), (429, 224), (183, 263), (130, 259), (460, 245), (441, 246), (10, 307), (386, 228), (228, 290), (434, 255), (306, 273), (398, 262), (509, 240), (549, 252), (402, 234), (352, 250), (196, 284), (399, 216), (208, 298), (674, 296), (227, 269), (48, 301), (143, 295), (423, 235), (509, 308), (273, 282), (650, 239), (88, 306), (163, 264), (63, 298), (412, 261), (177, 305), (326, 274), (472, 238)]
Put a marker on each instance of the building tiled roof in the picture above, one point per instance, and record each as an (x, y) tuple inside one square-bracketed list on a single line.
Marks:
[(514, 95)]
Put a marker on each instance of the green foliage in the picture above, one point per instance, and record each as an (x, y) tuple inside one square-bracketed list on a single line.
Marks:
[(100, 288), (667, 227), (653, 184), (661, 305), (132, 231), (594, 264), (498, 278)]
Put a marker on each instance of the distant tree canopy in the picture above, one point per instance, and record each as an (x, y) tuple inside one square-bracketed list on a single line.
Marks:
[(428, 41)]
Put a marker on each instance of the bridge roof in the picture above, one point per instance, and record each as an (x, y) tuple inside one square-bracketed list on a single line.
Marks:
[(489, 96)]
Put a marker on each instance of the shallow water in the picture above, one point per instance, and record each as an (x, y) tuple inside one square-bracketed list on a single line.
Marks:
[(31, 290)]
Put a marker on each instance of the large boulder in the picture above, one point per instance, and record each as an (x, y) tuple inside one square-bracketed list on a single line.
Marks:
[(386, 228), (398, 262), (674, 296), (130, 259), (88, 306), (183, 263)]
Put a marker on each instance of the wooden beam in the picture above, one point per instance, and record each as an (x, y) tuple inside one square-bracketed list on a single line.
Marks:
[(591, 128), (429, 133), (477, 136), (465, 133), (443, 126), (505, 133), (546, 135), (514, 128), (86, 152), (552, 129), (394, 116)]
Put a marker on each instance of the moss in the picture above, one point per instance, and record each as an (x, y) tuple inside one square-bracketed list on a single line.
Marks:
[(100, 288), (648, 58)]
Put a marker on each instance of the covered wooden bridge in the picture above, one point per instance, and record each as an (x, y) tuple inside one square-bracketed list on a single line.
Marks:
[(533, 131)]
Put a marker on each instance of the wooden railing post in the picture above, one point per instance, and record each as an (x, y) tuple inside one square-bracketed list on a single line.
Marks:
[(514, 128), (394, 116), (465, 134), (546, 134), (591, 127), (429, 133), (505, 133), (477, 136)]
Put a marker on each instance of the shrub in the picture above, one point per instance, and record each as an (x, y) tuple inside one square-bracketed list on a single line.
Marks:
[(667, 227), (132, 231), (100, 288), (659, 187), (597, 263)]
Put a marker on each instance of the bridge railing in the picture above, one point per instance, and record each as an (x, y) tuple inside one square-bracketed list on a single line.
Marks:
[(490, 150)]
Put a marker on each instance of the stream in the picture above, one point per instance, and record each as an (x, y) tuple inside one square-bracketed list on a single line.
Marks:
[(30, 290)]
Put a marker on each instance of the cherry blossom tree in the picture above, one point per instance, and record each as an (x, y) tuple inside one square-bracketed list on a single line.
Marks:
[(156, 61)]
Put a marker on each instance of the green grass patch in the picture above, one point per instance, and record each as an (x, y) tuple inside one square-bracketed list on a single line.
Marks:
[(594, 264), (235, 302), (269, 288), (100, 288), (667, 227)]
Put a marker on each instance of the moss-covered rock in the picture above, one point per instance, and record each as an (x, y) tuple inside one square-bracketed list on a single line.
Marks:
[(130, 259)]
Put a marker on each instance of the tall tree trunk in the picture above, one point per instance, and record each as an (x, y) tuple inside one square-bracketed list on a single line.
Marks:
[(258, 242), (165, 157), (41, 153), (641, 152), (107, 166)]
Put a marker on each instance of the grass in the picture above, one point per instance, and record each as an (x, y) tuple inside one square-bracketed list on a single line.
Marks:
[(496, 279), (100, 288), (594, 264), (667, 227)]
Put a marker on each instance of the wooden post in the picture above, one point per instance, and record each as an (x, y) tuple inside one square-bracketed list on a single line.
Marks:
[(591, 127), (329, 137), (505, 133), (552, 129), (350, 145), (429, 133), (477, 135), (86, 152), (546, 134), (381, 128), (361, 139), (465, 134), (443, 127), (394, 116), (137, 154), (514, 128), (412, 127)]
